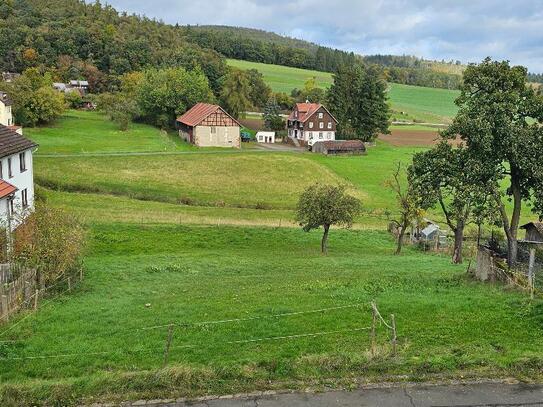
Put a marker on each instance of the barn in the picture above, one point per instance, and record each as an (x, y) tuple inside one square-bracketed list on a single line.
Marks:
[(207, 125), (339, 147)]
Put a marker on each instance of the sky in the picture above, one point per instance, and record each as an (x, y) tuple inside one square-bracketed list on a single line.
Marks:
[(461, 30)]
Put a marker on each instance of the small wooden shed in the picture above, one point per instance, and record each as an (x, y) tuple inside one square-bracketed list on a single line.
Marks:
[(339, 147), (534, 231)]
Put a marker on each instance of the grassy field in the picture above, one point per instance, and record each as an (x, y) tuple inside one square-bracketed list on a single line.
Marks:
[(206, 240), (187, 275), (408, 102)]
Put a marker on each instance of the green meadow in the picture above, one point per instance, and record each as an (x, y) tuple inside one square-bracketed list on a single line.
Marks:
[(206, 241), (410, 103)]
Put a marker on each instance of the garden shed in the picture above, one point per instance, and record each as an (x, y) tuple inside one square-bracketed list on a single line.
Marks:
[(339, 147), (534, 232)]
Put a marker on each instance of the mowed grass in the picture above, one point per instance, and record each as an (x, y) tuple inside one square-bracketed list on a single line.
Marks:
[(106, 339), (91, 132), (252, 180), (417, 103)]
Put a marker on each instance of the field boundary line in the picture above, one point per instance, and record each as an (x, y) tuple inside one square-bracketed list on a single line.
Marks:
[(190, 346)]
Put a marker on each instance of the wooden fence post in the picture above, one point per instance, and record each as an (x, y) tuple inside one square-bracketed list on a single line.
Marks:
[(373, 323), (5, 306), (69, 284), (36, 295), (531, 271), (168, 343), (393, 322), (81, 274)]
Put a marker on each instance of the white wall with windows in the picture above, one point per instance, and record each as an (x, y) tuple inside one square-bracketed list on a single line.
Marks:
[(6, 117), (17, 169)]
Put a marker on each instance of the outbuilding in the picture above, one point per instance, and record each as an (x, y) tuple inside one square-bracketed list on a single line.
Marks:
[(207, 125), (265, 137), (534, 232), (339, 147)]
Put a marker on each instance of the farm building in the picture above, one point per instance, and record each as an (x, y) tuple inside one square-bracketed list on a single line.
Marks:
[(265, 137), (6, 117), (311, 122), (339, 147), (207, 125), (534, 231)]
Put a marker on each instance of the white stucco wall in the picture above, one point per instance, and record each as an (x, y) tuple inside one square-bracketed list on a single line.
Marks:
[(265, 137), (21, 180), (315, 135), (6, 117), (224, 136)]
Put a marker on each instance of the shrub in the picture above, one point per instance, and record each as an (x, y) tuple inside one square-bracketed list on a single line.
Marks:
[(50, 240)]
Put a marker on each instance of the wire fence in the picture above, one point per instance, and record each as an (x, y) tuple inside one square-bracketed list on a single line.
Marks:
[(377, 321)]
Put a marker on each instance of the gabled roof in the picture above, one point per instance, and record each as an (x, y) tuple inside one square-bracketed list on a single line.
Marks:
[(12, 142), (537, 225), (200, 111), (306, 110), (6, 189), (4, 98)]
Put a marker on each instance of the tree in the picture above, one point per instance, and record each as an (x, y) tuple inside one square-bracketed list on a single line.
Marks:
[(34, 100), (236, 93), (499, 119), (451, 178), (163, 94), (408, 204), (326, 205), (272, 117), (357, 99), (260, 91)]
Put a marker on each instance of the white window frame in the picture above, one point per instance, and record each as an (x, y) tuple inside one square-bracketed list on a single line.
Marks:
[(321, 125), (329, 125), (321, 135), (321, 115), (310, 125)]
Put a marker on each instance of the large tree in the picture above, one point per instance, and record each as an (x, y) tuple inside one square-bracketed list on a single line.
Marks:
[(357, 99), (499, 119), (326, 205), (452, 179), (162, 94), (236, 93)]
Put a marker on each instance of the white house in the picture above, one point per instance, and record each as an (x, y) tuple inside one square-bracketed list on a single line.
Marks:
[(311, 122), (16, 170), (265, 137)]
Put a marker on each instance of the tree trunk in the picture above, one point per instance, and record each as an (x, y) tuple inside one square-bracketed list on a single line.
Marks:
[(458, 243), (324, 246), (400, 239), (512, 244)]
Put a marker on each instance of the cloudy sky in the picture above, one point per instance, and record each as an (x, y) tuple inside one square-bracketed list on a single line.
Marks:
[(439, 29)]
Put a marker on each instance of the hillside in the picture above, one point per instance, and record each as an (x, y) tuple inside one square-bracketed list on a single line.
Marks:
[(411, 103)]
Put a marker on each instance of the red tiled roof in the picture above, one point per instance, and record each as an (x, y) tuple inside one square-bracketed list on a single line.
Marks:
[(195, 115), (306, 110), (6, 189)]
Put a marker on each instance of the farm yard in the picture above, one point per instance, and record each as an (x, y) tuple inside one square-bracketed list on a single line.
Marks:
[(204, 240)]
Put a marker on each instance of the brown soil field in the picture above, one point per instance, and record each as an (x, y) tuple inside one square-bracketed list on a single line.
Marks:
[(253, 124), (415, 138)]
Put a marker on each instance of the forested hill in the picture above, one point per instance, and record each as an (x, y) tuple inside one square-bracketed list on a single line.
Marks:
[(94, 41)]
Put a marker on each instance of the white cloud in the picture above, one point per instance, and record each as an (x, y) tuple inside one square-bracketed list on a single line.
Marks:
[(442, 29)]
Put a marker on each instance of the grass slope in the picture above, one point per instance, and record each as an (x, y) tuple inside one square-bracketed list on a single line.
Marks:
[(190, 274), (416, 102)]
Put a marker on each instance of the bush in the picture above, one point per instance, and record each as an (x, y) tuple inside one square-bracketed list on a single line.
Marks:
[(50, 240)]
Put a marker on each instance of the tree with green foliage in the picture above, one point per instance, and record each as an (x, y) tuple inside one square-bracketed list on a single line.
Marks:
[(272, 117), (452, 179), (121, 108), (409, 207), (34, 99), (260, 91), (236, 93), (499, 119), (326, 205), (163, 94), (311, 92), (357, 99)]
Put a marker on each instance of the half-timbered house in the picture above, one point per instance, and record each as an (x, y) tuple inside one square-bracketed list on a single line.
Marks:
[(311, 122), (207, 125)]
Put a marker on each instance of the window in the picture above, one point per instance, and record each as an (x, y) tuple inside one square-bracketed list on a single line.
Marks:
[(10, 173), (11, 206), (321, 125), (1, 170), (310, 135), (320, 135), (329, 135), (320, 115), (22, 161), (310, 125), (213, 130), (24, 197), (296, 114), (329, 125)]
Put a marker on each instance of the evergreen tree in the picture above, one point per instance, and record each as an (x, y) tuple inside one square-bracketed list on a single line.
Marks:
[(272, 117)]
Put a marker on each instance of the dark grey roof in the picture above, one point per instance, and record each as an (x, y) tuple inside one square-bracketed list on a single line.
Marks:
[(537, 225), (12, 142), (4, 98)]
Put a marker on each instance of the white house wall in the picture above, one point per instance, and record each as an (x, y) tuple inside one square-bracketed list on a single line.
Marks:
[(6, 118)]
